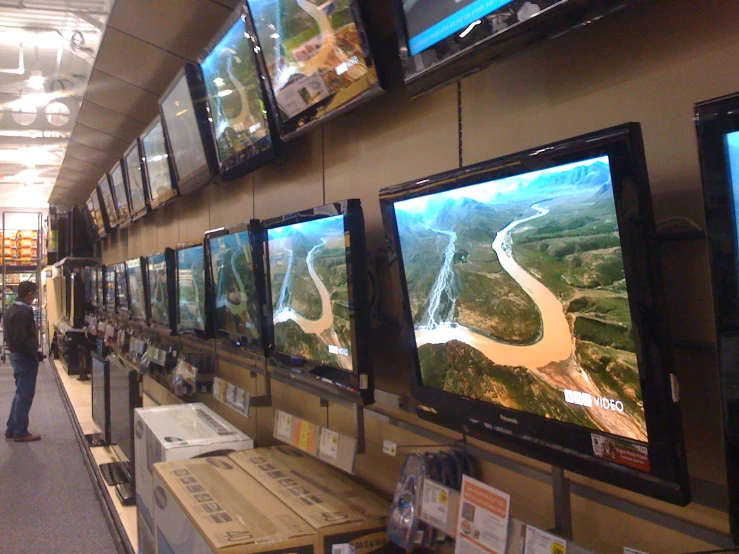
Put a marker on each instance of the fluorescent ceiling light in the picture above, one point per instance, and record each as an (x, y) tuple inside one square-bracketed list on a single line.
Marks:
[(36, 80)]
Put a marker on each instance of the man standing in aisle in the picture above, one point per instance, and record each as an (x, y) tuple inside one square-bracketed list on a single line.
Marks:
[(21, 336)]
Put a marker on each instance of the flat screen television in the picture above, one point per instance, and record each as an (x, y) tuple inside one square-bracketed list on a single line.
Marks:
[(125, 397), (121, 288), (135, 184), (101, 395), (241, 125), (89, 280), (96, 213), (192, 292), (157, 168), (316, 57), (136, 272), (110, 292), (442, 42), (107, 202), (318, 296), (185, 118), (99, 287), (118, 185), (533, 309), (160, 274), (237, 273), (717, 124)]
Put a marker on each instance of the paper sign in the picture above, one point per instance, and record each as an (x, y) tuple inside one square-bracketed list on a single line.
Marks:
[(307, 437), (482, 519), (541, 542), (389, 448), (329, 445), (435, 504), (284, 427)]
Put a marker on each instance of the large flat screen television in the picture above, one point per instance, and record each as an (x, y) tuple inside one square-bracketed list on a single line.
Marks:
[(441, 42), (237, 274), (99, 287), (241, 126), (318, 295), (107, 202), (316, 57), (185, 118), (533, 310), (125, 397), (135, 184), (110, 292), (160, 274), (121, 288), (96, 214), (136, 272), (90, 219), (192, 292), (157, 167), (120, 196), (101, 395), (717, 123)]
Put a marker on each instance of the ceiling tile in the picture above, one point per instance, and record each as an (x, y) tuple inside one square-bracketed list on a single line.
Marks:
[(121, 97), (80, 166), (113, 123), (82, 152), (98, 140)]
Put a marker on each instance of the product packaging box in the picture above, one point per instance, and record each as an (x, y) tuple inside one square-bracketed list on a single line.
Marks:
[(145, 536), (177, 432), (343, 513), (211, 506)]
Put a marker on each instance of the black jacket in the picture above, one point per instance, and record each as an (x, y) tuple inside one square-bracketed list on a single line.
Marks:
[(21, 334)]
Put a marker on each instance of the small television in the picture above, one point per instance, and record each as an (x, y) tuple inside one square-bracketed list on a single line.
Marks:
[(317, 59), (533, 309), (101, 395), (120, 196), (96, 214), (107, 202), (237, 274), (109, 286), (192, 292), (134, 175), (160, 274), (442, 42), (136, 272), (99, 296), (156, 166), (121, 288), (318, 296), (186, 126), (241, 127), (717, 124)]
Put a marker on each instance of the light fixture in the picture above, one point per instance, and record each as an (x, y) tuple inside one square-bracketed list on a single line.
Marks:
[(36, 80)]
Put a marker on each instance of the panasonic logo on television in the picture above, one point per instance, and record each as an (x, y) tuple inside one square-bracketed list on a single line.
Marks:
[(509, 419)]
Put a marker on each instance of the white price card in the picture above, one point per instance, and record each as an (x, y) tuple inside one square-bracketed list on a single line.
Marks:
[(482, 519), (329, 445), (541, 542), (284, 429), (435, 504)]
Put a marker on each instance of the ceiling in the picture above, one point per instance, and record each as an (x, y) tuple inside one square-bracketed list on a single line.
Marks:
[(146, 42)]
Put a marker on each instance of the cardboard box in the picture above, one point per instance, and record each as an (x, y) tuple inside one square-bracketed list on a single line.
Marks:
[(145, 536), (341, 511), (177, 432), (211, 506)]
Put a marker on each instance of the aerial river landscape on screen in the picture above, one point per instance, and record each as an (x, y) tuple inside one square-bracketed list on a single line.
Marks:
[(518, 296)]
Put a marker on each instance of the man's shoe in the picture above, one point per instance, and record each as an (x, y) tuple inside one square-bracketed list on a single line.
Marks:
[(28, 438), (9, 435)]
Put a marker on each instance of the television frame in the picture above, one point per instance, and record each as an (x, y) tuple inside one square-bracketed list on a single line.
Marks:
[(484, 49), (568, 445), (714, 119), (189, 184), (170, 263), (122, 220), (107, 270), (131, 401), (103, 389), (138, 214), (89, 219), (145, 285), (156, 203), (102, 186), (231, 168), (207, 331), (298, 125), (359, 382), (119, 309)]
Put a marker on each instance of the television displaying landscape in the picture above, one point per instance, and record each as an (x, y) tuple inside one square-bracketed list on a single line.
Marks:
[(310, 294), (518, 296), (93, 206), (313, 53), (191, 288), (237, 305), (109, 288), (119, 188), (135, 180), (99, 286), (136, 288), (121, 287), (157, 164), (108, 202), (158, 291)]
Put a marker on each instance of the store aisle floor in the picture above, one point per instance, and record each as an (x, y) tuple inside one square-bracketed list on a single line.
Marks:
[(47, 500)]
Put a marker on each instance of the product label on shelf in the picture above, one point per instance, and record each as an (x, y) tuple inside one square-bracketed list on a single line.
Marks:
[(482, 519), (435, 504), (541, 542), (284, 427), (329, 445)]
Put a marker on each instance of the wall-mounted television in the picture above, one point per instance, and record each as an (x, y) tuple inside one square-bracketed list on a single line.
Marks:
[(120, 196), (160, 274), (136, 273), (109, 286), (157, 168), (96, 214), (185, 118), (441, 42), (533, 309), (99, 287), (192, 292), (237, 274), (135, 184), (121, 288), (316, 57), (318, 296), (107, 202), (717, 123), (241, 126)]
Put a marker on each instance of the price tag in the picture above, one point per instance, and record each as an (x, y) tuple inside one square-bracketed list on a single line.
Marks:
[(284, 427), (307, 436), (389, 448), (541, 542), (329, 445), (435, 504)]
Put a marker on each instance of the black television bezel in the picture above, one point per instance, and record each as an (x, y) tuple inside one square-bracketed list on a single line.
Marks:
[(564, 444), (121, 219), (133, 400), (298, 125), (105, 427), (169, 265), (714, 119), (99, 227), (99, 294), (135, 216), (156, 203), (145, 285), (102, 185), (360, 381), (207, 331), (107, 269), (119, 309), (202, 177), (233, 167), (484, 49), (89, 221), (254, 229)]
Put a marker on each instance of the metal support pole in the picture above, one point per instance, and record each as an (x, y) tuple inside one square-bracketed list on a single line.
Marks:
[(359, 424), (562, 503)]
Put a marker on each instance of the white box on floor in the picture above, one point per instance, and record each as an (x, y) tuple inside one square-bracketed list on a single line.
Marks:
[(177, 432)]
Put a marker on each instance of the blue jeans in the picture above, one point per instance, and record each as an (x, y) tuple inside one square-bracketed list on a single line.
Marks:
[(25, 371)]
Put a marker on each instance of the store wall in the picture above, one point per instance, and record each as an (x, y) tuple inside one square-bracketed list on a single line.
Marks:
[(649, 64)]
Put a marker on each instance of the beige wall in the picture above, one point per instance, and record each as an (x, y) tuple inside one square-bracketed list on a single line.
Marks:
[(650, 64)]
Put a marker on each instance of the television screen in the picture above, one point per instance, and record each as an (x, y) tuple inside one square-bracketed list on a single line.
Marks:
[(121, 287), (236, 101), (156, 165), (520, 280), (191, 289), (441, 42), (125, 397), (89, 280), (137, 292), (93, 207), (316, 56), (119, 191), (101, 396), (99, 287), (110, 293), (106, 194), (159, 289), (135, 180)]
